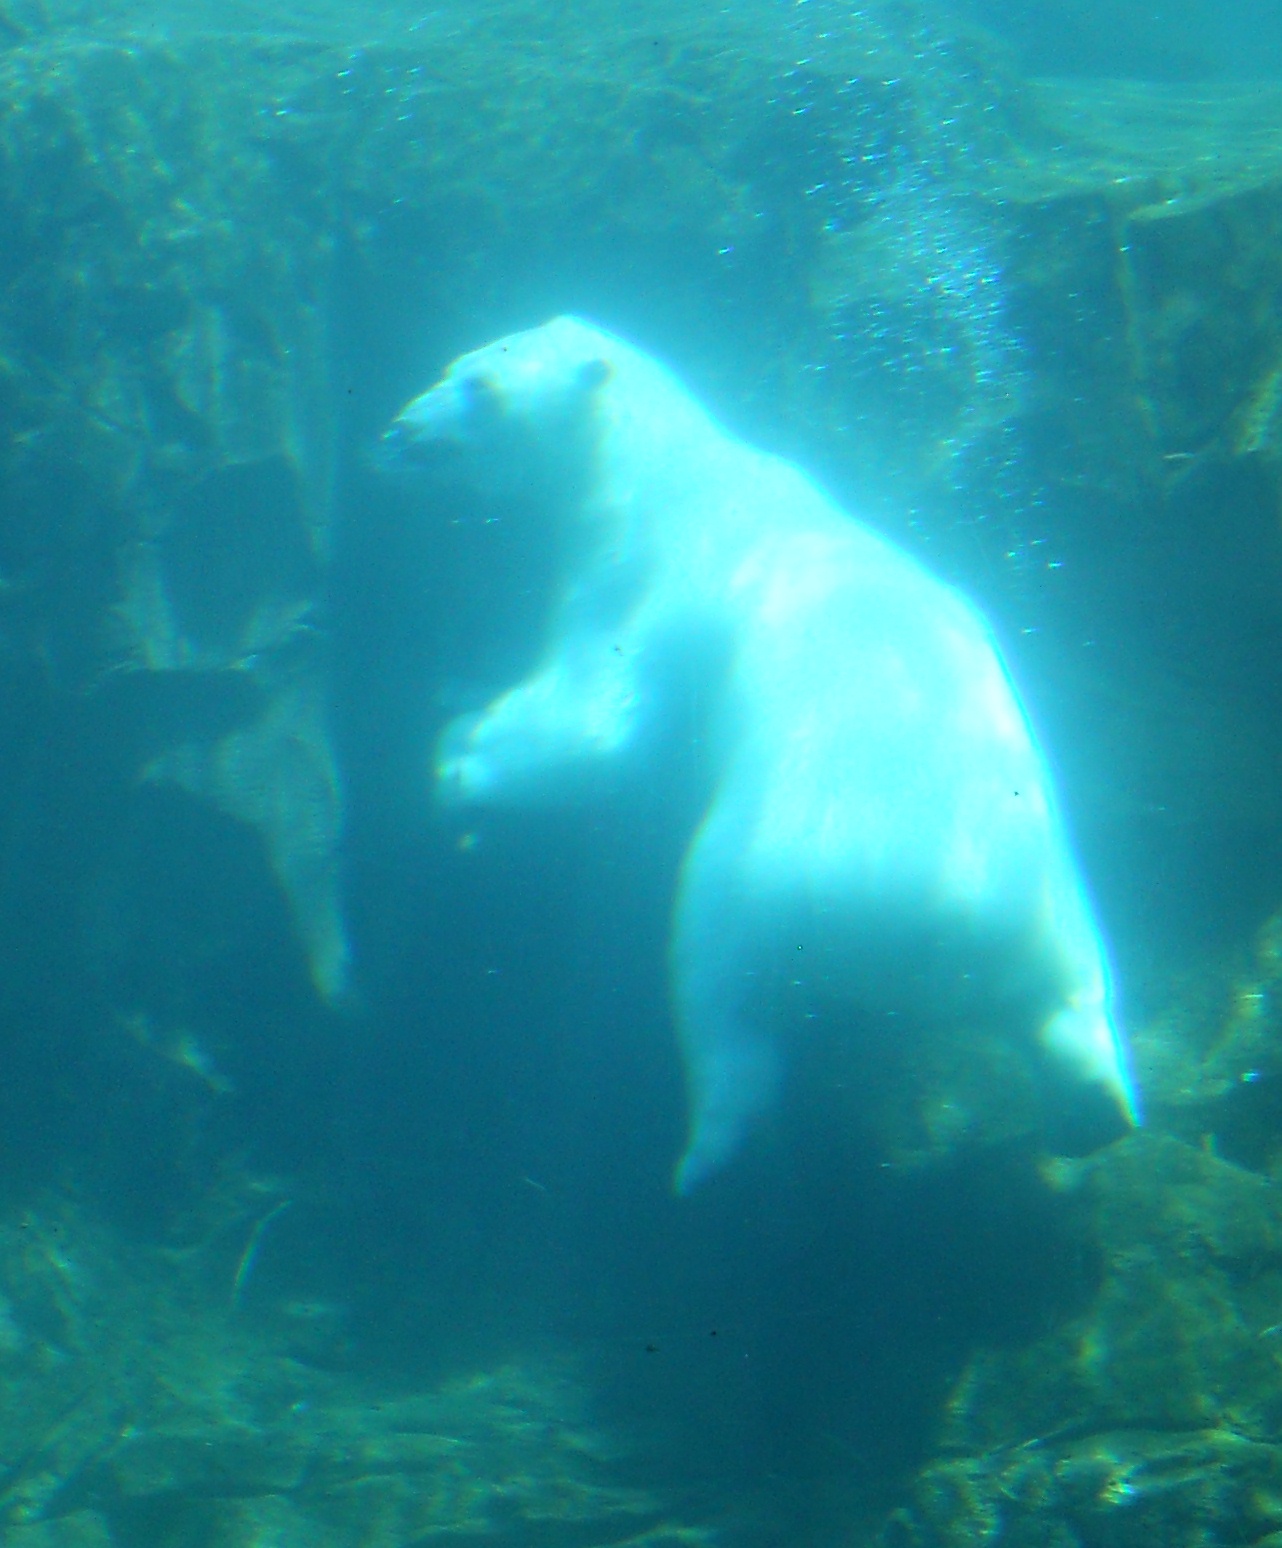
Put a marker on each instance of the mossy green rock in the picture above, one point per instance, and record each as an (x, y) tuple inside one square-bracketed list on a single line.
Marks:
[(1152, 1416)]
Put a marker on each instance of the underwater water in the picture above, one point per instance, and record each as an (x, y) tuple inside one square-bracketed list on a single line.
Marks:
[(1171, 40), (339, 1122)]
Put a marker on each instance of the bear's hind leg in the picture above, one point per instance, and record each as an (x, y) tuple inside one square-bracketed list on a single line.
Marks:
[(730, 1080), (731, 1065)]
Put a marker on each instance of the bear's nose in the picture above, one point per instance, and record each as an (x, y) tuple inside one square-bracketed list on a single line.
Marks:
[(434, 415), (396, 439), (423, 436), (391, 452)]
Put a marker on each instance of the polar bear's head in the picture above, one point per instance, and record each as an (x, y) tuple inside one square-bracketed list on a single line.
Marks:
[(514, 411)]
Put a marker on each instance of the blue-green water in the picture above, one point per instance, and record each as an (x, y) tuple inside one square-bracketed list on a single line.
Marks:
[(1174, 40), (337, 1130)]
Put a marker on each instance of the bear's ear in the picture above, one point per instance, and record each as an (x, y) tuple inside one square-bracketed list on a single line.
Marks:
[(594, 374)]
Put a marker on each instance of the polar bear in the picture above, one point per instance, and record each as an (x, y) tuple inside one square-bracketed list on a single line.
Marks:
[(878, 808)]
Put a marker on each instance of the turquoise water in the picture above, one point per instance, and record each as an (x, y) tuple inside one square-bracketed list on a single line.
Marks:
[(1174, 40), (338, 1125)]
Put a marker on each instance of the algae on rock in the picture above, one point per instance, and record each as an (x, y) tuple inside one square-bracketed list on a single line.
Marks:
[(1157, 1411), (140, 1398)]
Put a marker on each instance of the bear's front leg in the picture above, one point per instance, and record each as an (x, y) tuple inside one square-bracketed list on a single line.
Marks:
[(536, 741)]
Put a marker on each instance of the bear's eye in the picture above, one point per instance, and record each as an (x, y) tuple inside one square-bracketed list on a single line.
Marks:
[(478, 391), (594, 373)]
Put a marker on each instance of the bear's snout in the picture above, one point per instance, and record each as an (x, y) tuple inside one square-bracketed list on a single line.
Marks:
[(432, 416)]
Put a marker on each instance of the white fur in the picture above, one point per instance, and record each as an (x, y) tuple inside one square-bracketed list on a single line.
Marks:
[(879, 802)]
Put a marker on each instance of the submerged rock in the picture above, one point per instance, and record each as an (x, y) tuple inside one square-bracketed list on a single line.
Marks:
[(142, 1401), (1154, 1414)]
